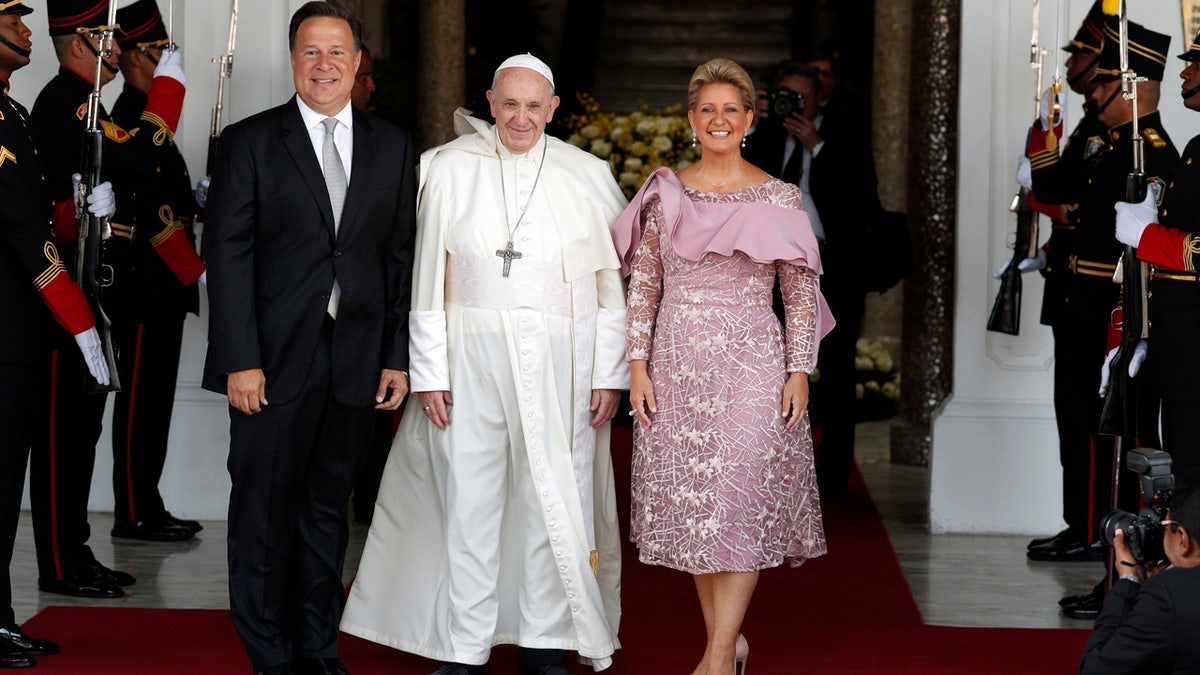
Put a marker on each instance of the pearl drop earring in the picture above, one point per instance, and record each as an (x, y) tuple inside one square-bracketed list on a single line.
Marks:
[(694, 139), (743, 141)]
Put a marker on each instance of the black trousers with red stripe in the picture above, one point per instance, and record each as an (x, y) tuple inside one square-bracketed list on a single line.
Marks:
[(67, 423), (141, 421), (17, 380)]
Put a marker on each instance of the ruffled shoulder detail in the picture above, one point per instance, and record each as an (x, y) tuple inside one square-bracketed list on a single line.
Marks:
[(762, 231)]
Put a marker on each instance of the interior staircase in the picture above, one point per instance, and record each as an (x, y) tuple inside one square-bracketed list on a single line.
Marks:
[(647, 49)]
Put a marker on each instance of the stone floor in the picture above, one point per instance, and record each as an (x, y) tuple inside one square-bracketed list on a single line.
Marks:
[(957, 580)]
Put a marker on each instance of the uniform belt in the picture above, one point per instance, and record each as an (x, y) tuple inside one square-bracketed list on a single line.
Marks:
[(1090, 268), (1156, 273), (1060, 227)]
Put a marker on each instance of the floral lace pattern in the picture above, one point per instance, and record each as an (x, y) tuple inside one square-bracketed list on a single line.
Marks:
[(719, 484)]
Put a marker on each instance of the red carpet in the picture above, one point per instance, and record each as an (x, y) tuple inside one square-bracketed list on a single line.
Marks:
[(848, 612)]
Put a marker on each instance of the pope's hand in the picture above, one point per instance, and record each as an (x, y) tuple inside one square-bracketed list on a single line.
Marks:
[(1133, 219), (93, 354)]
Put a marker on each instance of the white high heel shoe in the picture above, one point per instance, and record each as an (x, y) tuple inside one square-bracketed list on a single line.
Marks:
[(741, 653)]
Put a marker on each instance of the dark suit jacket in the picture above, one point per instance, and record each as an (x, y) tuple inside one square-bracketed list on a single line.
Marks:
[(272, 256), (1152, 628), (843, 186)]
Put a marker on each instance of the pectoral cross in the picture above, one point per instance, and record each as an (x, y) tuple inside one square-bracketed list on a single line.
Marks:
[(509, 255)]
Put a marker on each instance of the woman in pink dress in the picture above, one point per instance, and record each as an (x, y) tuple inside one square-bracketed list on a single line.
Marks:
[(723, 477)]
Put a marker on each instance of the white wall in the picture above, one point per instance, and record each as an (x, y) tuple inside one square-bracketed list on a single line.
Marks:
[(995, 450), (195, 482)]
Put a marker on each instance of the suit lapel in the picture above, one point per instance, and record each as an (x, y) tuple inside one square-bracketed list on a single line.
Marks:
[(299, 146), (360, 173)]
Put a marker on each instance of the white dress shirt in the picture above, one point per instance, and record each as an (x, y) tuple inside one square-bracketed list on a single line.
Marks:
[(343, 134)]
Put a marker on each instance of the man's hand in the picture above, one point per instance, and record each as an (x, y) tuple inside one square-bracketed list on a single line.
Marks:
[(1133, 219), (803, 129), (1135, 363), (436, 406), (604, 406), (101, 202), (171, 65), (202, 192), (1037, 262), (1024, 173), (93, 354), (795, 400), (247, 390), (395, 380), (1124, 558)]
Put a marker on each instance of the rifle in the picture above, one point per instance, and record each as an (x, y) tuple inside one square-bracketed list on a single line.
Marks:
[(91, 270), (1006, 310), (225, 71)]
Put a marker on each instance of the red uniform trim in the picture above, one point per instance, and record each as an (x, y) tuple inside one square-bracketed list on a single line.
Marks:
[(137, 359), (179, 255), (66, 222), (1164, 247), (67, 304), (165, 99)]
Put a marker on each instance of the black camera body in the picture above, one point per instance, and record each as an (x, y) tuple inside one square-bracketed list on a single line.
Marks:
[(1144, 532), (781, 103)]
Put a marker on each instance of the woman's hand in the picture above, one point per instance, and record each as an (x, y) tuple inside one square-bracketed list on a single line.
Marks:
[(641, 392), (795, 400)]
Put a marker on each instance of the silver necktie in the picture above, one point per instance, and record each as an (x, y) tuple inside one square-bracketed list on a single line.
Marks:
[(335, 184)]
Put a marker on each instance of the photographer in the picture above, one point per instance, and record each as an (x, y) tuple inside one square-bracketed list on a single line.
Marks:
[(1151, 627), (830, 159)]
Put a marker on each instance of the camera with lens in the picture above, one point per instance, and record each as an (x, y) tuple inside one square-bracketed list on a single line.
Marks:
[(781, 103), (1144, 532)]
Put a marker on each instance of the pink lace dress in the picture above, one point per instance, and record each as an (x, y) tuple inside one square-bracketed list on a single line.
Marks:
[(719, 483)]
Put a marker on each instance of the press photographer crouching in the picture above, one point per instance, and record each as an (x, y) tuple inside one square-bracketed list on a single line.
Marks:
[(1151, 618)]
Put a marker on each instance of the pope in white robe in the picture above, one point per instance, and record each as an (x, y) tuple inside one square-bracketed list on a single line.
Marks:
[(496, 518)]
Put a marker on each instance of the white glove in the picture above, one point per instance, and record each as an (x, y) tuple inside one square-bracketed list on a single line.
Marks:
[(1044, 110), (1024, 173), (1133, 219), (203, 278), (93, 354), (1135, 363), (202, 192), (171, 65), (1037, 262), (101, 202)]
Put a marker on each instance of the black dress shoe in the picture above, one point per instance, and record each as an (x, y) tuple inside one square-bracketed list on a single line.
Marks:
[(32, 646), (151, 530), (12, 656), (542, 662), (1065, 535), (193, 525), (320, 667), (1074, 551), (1087, 609), (285, 669), (87, 583), (114, 577), (1073, 599), (461, 669)]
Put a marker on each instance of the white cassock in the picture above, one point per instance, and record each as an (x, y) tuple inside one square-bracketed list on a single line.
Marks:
[(502, 529)]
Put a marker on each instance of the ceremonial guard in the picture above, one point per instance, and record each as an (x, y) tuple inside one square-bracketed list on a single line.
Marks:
[(64, 443), (166, 274), (1169, 239), (1076, 407), (32, 280), (1089, 296)]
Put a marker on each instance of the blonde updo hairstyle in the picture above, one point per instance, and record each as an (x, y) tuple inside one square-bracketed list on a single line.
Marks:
[(721, 71)]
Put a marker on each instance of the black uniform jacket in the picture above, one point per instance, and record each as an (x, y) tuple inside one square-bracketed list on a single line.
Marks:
[(1149, 628)]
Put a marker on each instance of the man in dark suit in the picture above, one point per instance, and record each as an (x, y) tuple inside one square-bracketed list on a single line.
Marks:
[(309, 250), (32, 280), (832, 163), (1150, 627)]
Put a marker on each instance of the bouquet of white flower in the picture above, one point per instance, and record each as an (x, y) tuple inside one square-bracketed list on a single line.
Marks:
[(635, 144), (878, 387)]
